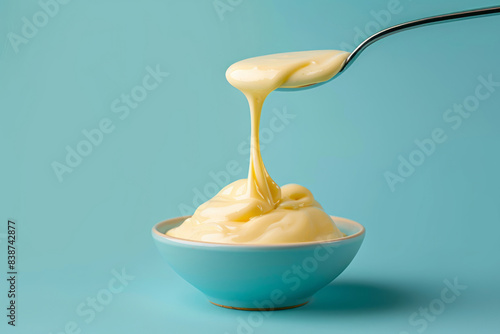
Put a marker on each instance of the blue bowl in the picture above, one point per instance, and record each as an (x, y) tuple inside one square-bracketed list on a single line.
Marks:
[(259, 277)]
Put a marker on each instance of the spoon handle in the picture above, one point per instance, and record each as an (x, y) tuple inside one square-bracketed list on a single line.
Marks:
[(417, 23)]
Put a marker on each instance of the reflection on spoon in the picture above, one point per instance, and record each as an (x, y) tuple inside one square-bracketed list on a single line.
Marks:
[(397, 28)]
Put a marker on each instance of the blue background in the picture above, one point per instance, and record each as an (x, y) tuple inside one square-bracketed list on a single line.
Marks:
[(441, 223)]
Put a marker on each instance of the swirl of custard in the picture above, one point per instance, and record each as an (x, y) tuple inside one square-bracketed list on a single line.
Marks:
[(256, 210), (232, 217)]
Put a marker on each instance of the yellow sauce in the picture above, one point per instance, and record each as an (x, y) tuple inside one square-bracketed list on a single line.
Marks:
[(256, 210)]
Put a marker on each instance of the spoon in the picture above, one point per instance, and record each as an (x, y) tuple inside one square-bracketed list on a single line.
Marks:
[(400, 27)]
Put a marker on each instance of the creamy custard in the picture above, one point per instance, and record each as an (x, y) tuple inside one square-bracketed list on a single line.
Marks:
[(256, 210)]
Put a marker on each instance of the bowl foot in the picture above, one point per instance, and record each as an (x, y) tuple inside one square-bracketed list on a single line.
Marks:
[(259, 309)]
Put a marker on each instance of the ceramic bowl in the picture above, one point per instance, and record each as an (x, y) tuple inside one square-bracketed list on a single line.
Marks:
[(259, 277)]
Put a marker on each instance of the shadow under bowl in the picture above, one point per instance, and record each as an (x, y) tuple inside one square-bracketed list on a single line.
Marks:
[(259, 277)]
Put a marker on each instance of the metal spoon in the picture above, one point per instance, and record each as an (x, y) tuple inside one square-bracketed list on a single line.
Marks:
[(401, 27)]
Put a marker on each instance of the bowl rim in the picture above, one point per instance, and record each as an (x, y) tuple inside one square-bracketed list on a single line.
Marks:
[(158, 234)]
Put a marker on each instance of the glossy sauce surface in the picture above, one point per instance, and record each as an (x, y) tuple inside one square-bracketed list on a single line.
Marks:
[(256, 210)]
